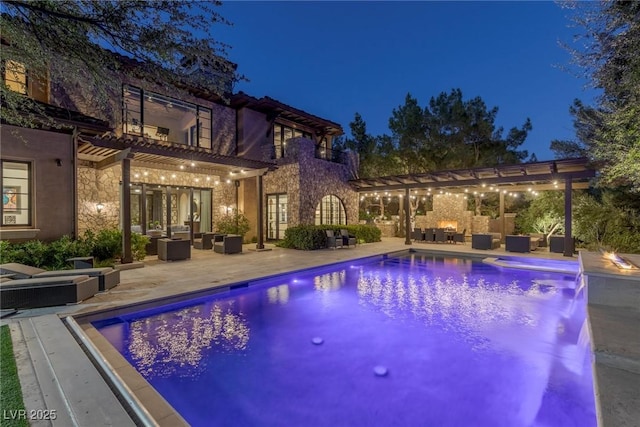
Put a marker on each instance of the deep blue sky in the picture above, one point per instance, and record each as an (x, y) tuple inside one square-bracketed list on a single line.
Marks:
[(333, 59)]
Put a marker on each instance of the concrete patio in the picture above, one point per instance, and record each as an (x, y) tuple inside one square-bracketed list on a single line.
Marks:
[(56, 374)]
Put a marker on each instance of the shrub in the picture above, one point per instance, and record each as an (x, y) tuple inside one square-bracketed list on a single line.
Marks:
[(107, 244), (233, 223), (59, 251), (305, 237), (138, 246), (311, 237)]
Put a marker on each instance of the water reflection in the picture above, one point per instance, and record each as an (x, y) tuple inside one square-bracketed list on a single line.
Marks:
[(278, 294), (330, 281), (470, 303), (162, 345)]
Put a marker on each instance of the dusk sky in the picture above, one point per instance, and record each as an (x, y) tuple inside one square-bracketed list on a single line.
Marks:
[(334, 59)]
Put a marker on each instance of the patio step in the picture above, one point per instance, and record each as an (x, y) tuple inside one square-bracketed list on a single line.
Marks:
[(68, 381)]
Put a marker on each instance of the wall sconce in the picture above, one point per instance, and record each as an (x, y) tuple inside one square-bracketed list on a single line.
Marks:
[(59, 162), (99, 207)]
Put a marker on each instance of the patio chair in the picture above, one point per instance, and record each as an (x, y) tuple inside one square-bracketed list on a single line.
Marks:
[(440, 235), (47, 291), (205, 242), (485, 241), (107, 277), (174, 249), (517, 243), (556, 244), (230, 244), (348, 239), (417, 235), (332, 240), (459, 237)]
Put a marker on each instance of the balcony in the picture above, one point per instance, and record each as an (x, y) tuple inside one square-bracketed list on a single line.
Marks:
[(332, 155)]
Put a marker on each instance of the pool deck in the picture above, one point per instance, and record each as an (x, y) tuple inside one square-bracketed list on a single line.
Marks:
[(56, 374)]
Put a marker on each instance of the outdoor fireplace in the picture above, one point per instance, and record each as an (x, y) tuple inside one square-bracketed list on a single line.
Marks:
[(449, 224)]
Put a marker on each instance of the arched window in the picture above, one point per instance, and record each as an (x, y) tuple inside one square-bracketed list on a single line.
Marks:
[(330, 210)]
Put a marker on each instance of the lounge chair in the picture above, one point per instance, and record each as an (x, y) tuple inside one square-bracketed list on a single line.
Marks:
[(348, 239), (332, 240), (47, 291), (107, 277)]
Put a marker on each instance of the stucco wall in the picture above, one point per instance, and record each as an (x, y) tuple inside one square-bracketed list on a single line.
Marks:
[(253, 129), (53, 185)]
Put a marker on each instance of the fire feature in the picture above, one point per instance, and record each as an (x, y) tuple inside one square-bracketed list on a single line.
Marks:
[(449, 224)]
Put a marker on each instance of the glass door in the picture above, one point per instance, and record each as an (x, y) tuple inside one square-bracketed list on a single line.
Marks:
[(277, 216)]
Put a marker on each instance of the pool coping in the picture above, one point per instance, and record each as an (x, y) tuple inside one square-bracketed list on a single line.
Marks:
[(131, 388)]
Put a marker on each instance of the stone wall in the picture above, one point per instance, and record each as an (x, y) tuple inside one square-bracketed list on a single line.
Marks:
[(95, 187), (450, 207), (103, 186), (480, 224), (306, 180), (286, 179)]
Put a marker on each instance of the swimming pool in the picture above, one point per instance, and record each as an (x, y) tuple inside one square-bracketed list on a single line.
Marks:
[(462, 343)]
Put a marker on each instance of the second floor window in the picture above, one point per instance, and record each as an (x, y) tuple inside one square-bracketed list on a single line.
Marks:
[(15, 76), (281, 134), (163, 118)]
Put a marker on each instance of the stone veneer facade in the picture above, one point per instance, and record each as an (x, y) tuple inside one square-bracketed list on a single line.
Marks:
[(103, 186), (306, 180)]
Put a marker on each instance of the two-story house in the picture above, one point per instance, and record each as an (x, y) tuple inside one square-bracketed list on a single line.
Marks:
[(169, 159)]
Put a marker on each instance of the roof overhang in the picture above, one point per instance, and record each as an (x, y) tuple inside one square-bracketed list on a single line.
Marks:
[(519, 177), (275, 108), (107, 150)]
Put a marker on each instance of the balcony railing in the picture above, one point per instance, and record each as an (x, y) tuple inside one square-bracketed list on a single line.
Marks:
[(332, 155)]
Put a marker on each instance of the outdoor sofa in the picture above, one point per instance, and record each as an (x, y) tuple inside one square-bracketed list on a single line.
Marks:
[(47, 291)]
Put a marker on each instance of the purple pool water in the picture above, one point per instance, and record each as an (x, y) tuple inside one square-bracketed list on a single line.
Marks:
[(464, 344)]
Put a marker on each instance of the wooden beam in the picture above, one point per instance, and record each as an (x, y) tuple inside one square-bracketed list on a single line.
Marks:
[(114, 159)]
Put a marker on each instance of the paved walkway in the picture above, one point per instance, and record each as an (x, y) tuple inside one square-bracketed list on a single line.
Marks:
[(158, 280)]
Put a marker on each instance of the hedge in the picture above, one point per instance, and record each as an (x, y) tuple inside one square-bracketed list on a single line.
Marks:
[(105, 247), (311, 237)]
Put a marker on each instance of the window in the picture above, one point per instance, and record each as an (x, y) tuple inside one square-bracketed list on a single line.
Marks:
[(281, 134), (162, 118), (15, 76), (331, 211), (16, 193)]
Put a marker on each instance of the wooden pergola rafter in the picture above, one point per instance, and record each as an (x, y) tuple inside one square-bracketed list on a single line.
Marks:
[(565, 174)]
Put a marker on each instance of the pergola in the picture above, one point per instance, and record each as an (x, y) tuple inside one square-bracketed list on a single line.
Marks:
[(104, 151), (538, 176)]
